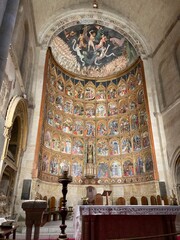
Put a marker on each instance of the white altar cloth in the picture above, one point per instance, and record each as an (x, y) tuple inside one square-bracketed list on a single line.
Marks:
[(83, 210)]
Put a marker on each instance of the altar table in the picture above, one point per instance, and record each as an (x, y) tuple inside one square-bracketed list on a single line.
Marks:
[(119, 222)]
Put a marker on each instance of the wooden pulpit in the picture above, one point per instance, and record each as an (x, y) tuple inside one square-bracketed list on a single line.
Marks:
[(107, 193)]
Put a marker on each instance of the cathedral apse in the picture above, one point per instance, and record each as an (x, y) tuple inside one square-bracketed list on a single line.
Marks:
[(94, 110)]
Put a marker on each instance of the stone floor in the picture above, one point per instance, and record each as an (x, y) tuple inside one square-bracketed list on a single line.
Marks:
[(50, 230)]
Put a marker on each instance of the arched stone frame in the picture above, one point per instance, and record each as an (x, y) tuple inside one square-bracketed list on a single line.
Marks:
[(70, 17), (175, 170), (87, 15), (17, 109), (9, 169), (177, 61)]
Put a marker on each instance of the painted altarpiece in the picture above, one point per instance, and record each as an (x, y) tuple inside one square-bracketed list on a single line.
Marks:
[(112, 115)]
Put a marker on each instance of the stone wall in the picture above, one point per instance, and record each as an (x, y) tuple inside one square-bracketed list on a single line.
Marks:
[(167, 78), (18, 80)]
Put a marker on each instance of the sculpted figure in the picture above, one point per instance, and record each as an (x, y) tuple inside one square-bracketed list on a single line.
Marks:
[(90, 154)]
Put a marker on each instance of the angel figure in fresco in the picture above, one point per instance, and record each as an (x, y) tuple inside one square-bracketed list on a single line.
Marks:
[(90, 131), (77, 49), (59, 102), (139, 78), (101, 42), (81, 40), (54, 166), (116, 170), (45, 163), (67, 146), (148, 163), (77, 147), (134, 121), (58, 121), (47, 139), (101, 129), (91, 40), (60, 85), (69, 91), (143, 118), (101, 111), (136, 143), (50, 118), (103, 170), (115, 148), (76, 170), (128, 168), (117, 42), (100, 94), (126, 146), (122, 90), (139, 166), (79, 93), (140, 97), (103, 54)]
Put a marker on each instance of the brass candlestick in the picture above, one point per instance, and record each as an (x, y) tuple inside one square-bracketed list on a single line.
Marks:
[(64, 180)]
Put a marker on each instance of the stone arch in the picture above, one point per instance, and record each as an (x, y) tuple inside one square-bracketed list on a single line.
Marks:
[(15, 133), (177, 173), (16, 114), (87, 16), (175, 166)]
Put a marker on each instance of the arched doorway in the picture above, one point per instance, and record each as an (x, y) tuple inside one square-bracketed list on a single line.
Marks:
[(15, 133)]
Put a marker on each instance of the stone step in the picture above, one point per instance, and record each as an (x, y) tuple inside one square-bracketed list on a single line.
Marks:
[(50, 230)]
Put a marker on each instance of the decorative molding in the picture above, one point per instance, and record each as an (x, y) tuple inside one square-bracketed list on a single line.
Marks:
[(129, 210)]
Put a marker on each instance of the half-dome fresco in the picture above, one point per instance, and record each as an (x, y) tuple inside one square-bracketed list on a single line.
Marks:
[(92, 51)]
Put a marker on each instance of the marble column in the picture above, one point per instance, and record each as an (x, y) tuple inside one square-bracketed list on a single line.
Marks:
[(6, 31)]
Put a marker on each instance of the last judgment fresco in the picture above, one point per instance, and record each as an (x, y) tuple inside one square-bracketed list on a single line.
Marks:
[(99, 129), (92, 50)]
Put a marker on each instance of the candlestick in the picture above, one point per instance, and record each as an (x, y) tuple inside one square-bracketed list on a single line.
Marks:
[(64, 180)]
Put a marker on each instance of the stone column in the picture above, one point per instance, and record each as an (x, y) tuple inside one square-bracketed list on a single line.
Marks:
[(34, 211), (6, 31), (2, 9)]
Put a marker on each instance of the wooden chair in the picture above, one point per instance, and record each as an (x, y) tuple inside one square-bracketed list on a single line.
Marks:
[(133, 201), (52, 209), (45, 198), (59, 208), (120, 201), (153, 200), (159, 200), (60, 203), (166, 200), (144, 200), (91, 193), (98, 199)]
